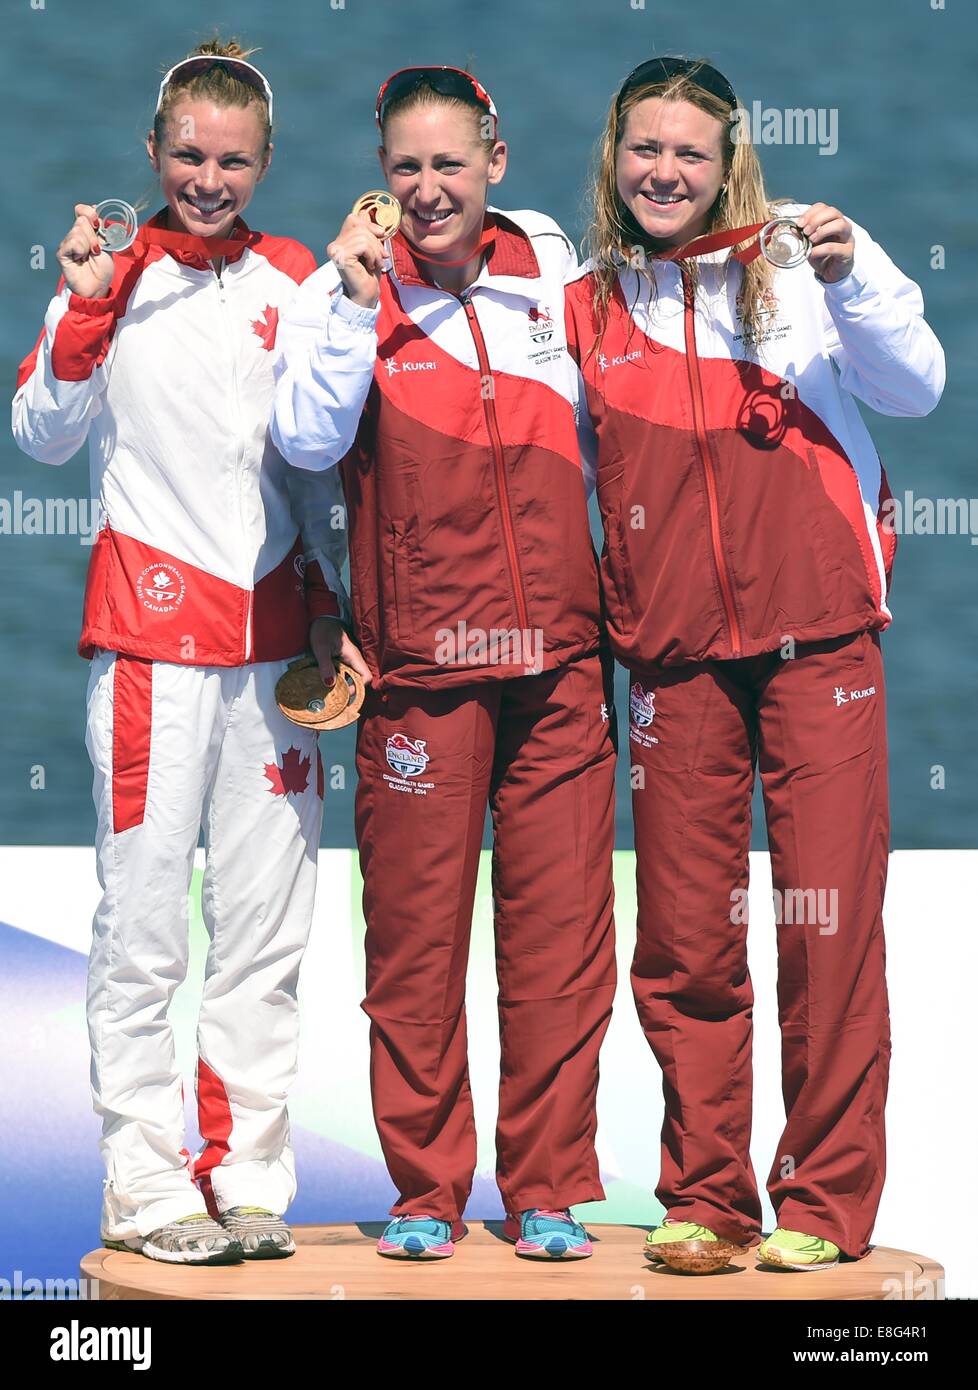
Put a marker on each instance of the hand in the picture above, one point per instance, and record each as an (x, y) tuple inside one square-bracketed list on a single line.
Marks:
[(86, 267), (359, 256), (833, 246), (330, 641)]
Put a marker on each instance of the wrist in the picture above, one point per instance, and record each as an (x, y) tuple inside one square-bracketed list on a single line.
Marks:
[(358, 316)]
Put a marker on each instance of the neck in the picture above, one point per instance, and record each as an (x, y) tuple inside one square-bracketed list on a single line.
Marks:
[(456, 278), (656, 244), (174, 224)]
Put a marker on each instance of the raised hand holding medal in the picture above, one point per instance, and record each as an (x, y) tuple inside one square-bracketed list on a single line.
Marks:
[(87, 272), (359, 252), (833, 245)]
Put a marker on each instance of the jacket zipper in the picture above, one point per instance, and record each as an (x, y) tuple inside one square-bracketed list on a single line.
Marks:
[(699, 424), (502, 489), (238, 461)]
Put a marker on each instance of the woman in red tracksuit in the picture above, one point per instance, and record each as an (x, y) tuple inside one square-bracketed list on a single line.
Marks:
[(443, 391), (745, 570)]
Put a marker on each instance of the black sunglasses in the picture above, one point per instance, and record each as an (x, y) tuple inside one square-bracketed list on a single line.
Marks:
[(662, 69), (447, 82)]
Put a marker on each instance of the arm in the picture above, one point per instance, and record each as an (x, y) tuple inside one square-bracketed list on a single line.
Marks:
[(320, 513), (587, 440), (876, 335), (61, 384), (326, 348)]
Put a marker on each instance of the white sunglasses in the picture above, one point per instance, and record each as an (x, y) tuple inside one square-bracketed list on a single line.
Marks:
[(200, 62)]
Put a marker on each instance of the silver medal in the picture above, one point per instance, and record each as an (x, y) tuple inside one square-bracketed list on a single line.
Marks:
[(118, 224), (783, 243)]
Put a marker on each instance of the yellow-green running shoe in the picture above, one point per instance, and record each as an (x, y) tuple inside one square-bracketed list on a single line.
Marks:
[(795, 1250)]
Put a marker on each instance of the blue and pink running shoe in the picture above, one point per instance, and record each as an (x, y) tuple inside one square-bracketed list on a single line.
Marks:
[(542, 1234), (420, 1237)]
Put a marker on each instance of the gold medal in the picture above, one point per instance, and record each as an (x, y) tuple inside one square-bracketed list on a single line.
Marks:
[(303, 698), (383, 209)]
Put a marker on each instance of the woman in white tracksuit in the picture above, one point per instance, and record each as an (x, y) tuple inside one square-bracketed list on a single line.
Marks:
[(210, 567)]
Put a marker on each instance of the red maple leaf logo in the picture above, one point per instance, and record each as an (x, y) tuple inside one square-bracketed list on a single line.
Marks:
[(265, 326), (292, 776)]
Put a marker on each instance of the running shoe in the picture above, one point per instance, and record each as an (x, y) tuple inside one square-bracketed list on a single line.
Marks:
[(689, 1247), (190, 1240), (670, 1231), (420, 1237), (545, 1234), (795, 1250), (261, 1234)]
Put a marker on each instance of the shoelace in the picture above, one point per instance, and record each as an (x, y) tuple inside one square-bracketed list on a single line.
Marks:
[(555, 1215)]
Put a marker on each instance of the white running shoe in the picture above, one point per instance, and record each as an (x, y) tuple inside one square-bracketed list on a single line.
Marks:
[(261, 1234), (190, 1240)]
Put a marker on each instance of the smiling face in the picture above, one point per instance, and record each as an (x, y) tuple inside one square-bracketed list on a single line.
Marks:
[(669, 168), (439, 170), (210, 162)]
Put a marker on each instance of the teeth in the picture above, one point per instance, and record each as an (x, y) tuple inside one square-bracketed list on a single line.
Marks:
[(434, 217)]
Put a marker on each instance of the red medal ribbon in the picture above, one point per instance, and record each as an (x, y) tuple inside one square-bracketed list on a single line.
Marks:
[(716, 241), (206, 247), (486, 239)]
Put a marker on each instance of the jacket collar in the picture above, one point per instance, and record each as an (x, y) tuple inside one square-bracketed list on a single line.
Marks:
[(192, 254), (510, 255)]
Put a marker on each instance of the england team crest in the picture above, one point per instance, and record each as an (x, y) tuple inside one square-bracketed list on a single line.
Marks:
[(641, 705), (407, 756)]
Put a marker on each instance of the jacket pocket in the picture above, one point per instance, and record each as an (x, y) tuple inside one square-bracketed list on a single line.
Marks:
[(615, 562), (829, 560), (403, 605)]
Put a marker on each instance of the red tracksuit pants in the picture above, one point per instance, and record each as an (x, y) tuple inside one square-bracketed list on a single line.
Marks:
[(815, 723), (540, 750)]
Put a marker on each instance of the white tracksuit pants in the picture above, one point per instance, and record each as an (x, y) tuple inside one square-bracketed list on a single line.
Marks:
[(174, 747)]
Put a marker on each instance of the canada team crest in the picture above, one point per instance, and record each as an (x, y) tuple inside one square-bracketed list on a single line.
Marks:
[(641, 706), (407, 756), (161, 588)]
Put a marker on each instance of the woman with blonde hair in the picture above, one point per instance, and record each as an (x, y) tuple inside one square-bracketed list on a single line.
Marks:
[(745, 572), (214, 565)]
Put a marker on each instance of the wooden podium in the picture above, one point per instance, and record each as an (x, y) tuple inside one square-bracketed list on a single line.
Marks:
[(340, 1262)]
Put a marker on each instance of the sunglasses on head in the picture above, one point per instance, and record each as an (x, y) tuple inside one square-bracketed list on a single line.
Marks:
[(203, 62), (447, 82), (662, 69)]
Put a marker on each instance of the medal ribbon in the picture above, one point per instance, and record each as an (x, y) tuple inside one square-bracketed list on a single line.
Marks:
[(716, 241), (486, 239), (207, 247)]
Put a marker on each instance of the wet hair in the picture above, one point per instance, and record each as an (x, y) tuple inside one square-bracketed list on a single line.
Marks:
[(218, 84), (611, 236)]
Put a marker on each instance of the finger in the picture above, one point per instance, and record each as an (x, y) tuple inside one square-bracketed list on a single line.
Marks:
[(327, 670), (826, 250), (351, 655), (86, 219), (836, 230), (814, 217), (831, 226)]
